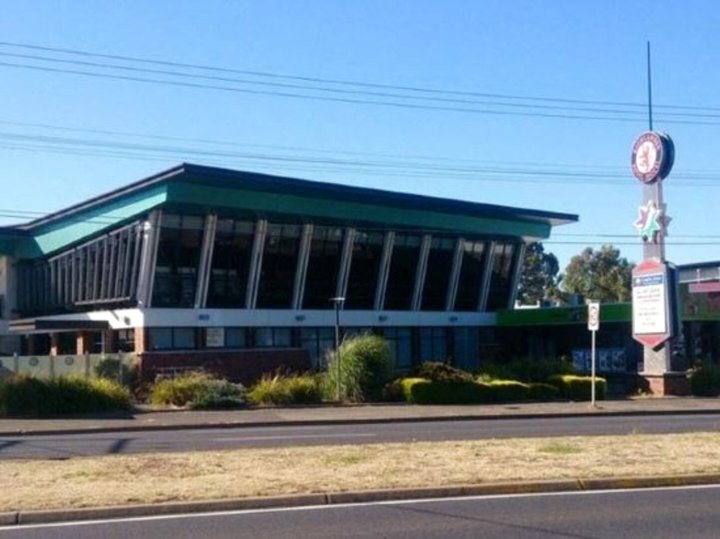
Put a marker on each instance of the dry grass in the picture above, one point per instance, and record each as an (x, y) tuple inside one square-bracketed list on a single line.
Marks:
[(112, 480)]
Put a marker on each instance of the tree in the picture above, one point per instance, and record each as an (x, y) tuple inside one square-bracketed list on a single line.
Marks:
[(539, 274), (603, 275)]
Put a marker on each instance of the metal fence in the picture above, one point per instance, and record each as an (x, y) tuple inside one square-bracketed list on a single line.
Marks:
[(67, 365)]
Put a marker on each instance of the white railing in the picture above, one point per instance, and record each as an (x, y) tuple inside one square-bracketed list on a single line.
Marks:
[(63, 365)]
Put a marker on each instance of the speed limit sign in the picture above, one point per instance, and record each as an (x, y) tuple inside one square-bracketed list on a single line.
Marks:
[(593, 315)]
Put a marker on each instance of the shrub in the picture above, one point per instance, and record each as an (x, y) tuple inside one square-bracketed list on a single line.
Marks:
[(578, 388), (292, 389), (197, 390), (441, 372), (508, 390), (365, 367), (64, 395), (113, 369), (526, 370), (423, 391), (705, 380), (538, 391)]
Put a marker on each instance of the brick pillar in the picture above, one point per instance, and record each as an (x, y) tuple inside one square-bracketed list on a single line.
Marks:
[(54, 343), (140, 340), (82, 342)]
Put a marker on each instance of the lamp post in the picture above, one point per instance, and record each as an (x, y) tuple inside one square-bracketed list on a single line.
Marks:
[(338, 302)]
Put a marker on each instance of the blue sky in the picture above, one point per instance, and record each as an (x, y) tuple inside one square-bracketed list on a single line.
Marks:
[(534, 104)]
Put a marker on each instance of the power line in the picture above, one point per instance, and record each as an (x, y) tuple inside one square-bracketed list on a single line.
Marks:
[(341, 82)]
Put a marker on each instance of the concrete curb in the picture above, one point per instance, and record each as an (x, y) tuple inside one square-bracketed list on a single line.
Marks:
[(19, 518), (348, 421)]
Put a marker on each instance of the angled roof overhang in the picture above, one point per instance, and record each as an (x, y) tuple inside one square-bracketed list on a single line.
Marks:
[(217, 189)]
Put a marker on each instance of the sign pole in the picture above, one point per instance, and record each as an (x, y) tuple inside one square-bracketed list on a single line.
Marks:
[(593, 326), (592, 370)]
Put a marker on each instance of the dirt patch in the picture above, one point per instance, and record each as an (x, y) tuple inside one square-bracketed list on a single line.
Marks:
[(148, 478)]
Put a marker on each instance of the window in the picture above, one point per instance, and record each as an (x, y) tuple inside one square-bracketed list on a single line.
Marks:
[(323, 267), (501, 279), (400, 341), (364, 268), (171, 338), (466, 348), (471, 276), (125, 340), (437, 275), (318, 342), (177, 261), (279, 264), (232, 252), (273, 337), (433, 344), (403, 269)]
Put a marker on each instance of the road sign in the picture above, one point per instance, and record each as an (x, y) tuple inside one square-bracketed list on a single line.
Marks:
[(593, 315)]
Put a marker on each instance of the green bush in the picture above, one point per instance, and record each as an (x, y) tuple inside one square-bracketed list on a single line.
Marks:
[(198, 391), (281, 390), (538, 391), (508, 390), (526, 370), (705, 380), (423, 391), (113, 369), (578, 388), (441, 372), (365, 368), (65, 395)]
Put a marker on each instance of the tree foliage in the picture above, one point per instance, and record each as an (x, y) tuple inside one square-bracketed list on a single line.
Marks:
[(539, 274), (603, 275)]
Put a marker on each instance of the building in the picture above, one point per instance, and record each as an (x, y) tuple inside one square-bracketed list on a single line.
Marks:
[(235, 271)]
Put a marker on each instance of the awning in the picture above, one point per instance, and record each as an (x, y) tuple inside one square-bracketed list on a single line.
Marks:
[(40, 324)]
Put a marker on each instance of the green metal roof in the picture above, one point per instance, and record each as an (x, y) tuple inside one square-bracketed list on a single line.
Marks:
[(216, 189)]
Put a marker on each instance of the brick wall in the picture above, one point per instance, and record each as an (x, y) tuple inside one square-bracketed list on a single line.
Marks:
[(244, 366)]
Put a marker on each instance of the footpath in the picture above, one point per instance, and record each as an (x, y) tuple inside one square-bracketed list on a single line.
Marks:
[(152, 419), (145, 418)]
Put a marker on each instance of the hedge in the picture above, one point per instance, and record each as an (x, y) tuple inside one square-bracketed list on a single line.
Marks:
[(542, 392), (705, 380), (423, 391), (508, 390), (578, 388), (24, 395)]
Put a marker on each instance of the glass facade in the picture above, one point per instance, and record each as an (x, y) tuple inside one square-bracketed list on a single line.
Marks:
[(317, 341), (230, 264), (178, 256), (171, 338), (400, 341), (364, 269), (279, 264), (323, 267), (471, 276), (503, 265), (433, 344), (437, 275), (402, 274)]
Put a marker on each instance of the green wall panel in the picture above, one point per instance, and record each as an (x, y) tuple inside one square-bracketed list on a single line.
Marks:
[(85, 224)]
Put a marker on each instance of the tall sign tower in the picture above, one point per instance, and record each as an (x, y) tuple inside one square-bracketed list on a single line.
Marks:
[(654, 283)]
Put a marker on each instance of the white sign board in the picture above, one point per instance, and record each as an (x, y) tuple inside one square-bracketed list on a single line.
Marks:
[(214, 337), (593, 315), (649, 302)]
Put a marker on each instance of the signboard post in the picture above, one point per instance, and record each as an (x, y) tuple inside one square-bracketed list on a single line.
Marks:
[(593, 326)]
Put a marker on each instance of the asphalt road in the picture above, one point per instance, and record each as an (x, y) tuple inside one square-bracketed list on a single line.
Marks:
[(65, 446), (656, 513)]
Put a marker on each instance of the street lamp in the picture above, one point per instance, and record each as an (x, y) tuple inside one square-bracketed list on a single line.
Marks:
[(338, 302)]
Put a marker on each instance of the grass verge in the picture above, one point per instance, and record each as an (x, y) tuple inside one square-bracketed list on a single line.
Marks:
[(150, 478)]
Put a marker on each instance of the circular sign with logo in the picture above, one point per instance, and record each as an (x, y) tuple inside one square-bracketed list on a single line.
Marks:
[(652, 156)]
